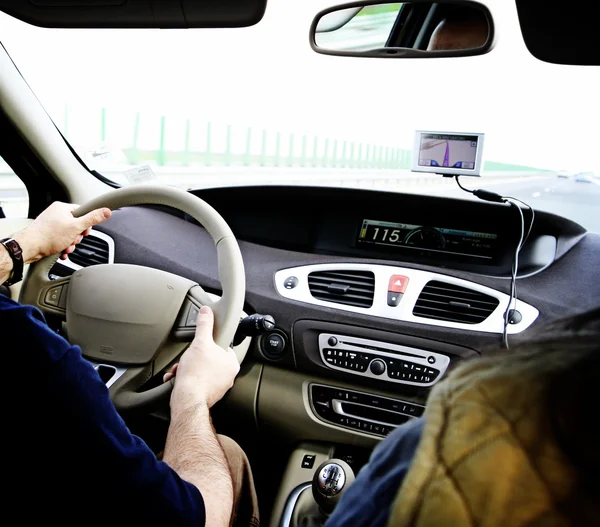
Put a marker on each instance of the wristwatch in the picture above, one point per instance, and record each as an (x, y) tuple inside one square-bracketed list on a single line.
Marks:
[(16, 255)]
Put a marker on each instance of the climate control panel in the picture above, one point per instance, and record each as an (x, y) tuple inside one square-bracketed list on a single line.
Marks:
[(382, 360), (364, 412)]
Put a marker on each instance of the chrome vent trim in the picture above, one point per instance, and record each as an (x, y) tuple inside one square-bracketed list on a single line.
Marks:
[(298, 290)]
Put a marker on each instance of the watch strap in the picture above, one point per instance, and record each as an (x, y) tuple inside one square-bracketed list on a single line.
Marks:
[(16, 255)]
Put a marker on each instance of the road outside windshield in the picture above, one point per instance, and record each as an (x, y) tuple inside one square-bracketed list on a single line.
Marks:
[(222, 107)]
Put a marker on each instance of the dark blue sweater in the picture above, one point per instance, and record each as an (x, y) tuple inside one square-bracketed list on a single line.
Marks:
[(69, 458), (368, 501)]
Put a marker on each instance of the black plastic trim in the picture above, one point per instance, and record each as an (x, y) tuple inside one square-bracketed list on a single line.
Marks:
[(167, 14)]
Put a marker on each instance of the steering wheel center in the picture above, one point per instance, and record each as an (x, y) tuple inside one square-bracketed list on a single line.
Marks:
[(123, 313)]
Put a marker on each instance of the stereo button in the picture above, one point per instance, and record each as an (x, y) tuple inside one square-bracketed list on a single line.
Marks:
[(377, 367)]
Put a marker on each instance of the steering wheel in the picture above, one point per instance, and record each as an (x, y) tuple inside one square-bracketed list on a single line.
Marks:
[(129, 315)]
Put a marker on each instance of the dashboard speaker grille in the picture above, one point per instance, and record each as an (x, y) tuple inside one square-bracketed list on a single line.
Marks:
[(353, 288), (454, 303)]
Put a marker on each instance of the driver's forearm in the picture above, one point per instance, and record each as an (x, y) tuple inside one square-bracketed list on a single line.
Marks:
[(194, 452)]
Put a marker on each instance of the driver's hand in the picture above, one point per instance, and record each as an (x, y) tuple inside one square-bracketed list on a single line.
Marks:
[(205, 371), (55, 230)]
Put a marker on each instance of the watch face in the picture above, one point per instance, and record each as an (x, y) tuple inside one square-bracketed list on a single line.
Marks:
[(13, 247), (16, 255)]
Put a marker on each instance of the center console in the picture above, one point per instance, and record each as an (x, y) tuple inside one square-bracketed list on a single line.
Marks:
[(382, 360), (357, 410), (316, 476), (353, 387)]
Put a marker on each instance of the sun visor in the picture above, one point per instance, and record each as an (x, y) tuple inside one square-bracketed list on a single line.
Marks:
[(561, 33), (136, 13)]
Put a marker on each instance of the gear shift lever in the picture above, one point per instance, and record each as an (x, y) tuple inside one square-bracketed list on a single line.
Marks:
[(330, 481)]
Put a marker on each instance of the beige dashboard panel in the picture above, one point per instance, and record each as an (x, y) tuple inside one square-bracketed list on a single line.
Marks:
[(284, 410), (241, 400)]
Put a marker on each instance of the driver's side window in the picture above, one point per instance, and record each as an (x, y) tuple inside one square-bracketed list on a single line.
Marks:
[(14, 200)]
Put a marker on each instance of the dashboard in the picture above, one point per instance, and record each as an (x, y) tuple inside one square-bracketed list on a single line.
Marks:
[(444, 233), (366, 321)]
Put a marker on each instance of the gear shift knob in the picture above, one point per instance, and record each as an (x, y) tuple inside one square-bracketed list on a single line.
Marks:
[(330, 481)]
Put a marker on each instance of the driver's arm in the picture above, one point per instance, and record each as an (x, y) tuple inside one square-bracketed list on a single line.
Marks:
[(54, 231), (203, 375)]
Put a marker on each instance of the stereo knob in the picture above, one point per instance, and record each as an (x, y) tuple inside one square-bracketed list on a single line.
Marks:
[(377, 367)]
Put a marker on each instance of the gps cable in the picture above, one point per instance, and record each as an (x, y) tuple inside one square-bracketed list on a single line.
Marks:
[(486, 195)]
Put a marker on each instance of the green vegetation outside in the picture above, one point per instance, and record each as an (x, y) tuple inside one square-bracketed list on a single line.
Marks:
[(398, 160), (380, 9)]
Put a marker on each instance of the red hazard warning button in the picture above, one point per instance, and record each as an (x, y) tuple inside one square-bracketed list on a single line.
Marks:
[(397, 283)]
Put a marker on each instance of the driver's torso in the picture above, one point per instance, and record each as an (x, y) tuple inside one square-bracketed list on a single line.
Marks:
[(71, 456)]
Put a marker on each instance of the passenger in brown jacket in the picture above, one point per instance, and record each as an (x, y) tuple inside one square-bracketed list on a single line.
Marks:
[(509, 439)]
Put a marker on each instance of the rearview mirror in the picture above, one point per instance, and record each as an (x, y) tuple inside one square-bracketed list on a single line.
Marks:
[(447, 28)]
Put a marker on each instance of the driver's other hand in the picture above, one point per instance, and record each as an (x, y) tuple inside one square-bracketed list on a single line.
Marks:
[(56, 230), (205, 371)]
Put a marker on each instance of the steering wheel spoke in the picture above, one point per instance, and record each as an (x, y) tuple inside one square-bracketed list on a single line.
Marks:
[(52, 298), (185, 325)]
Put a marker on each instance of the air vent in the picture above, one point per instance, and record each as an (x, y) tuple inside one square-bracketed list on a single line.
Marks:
[(94, 249), (353, 288), (91, 251), (454, 303), (60, 271)]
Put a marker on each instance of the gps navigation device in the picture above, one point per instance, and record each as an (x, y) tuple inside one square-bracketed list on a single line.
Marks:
[(447, 153)]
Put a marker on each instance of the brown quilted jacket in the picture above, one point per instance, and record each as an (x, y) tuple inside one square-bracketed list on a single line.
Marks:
[(487, 456)]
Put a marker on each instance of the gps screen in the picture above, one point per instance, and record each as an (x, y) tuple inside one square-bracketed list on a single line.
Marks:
[(449, 151)]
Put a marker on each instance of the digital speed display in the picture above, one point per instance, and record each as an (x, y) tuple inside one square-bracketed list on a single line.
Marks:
[(439, 239)]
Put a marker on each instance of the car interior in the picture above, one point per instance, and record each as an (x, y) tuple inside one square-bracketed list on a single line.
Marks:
[(340, 336)]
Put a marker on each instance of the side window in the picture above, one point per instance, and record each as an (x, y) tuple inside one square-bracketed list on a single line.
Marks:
[(14, 200)]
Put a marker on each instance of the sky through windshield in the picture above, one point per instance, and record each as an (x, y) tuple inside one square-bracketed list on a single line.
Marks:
[(267, 76)]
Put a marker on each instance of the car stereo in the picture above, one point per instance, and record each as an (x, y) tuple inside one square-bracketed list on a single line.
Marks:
[(382, 360)]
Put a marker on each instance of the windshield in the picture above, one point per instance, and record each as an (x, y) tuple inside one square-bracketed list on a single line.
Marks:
[(205, 108)]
